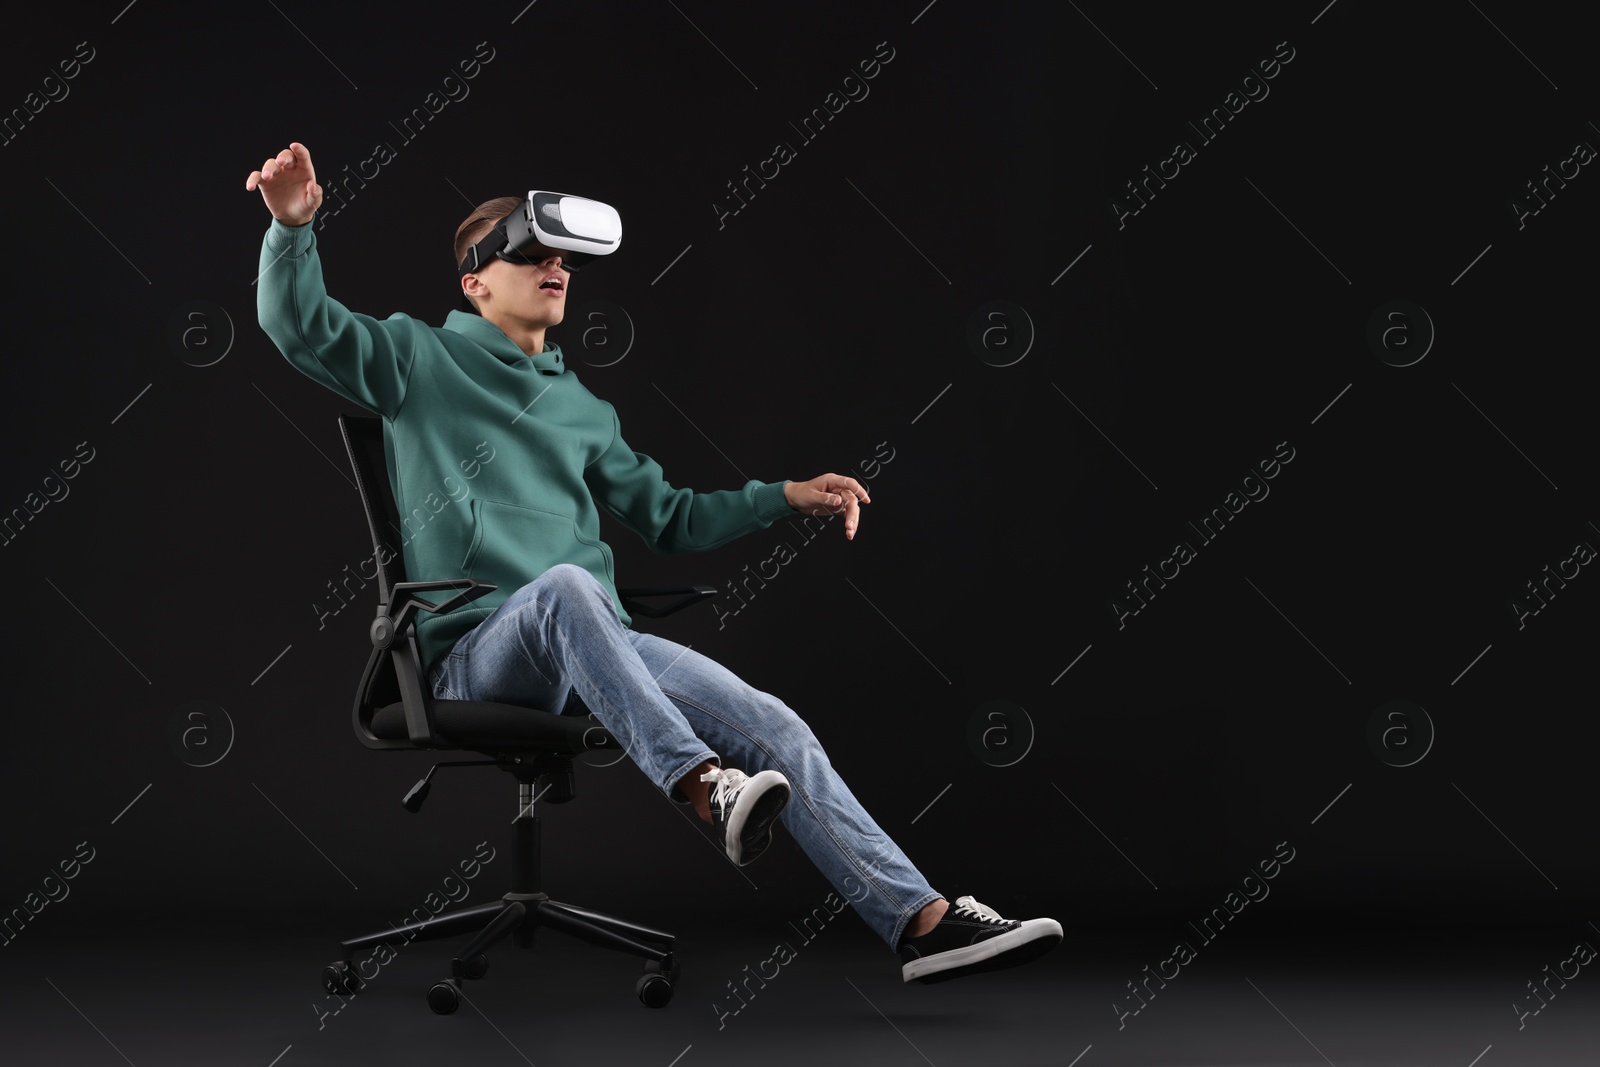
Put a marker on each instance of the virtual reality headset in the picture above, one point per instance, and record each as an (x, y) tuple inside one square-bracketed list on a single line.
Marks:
[(578, 228)]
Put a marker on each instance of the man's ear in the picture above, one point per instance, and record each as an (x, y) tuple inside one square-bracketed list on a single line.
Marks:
[(466, 301)]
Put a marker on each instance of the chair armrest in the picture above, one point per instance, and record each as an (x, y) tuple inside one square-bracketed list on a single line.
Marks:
[(686, 595), (394, 617), (394, 622)]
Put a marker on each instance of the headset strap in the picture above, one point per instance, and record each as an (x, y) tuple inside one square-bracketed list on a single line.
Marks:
[(483, 251), (495, 241)]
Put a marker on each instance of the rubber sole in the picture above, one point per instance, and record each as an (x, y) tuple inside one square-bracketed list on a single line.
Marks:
[(1028, 942), (750, 831)]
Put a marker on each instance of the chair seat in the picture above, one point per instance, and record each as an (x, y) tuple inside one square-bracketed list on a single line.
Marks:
[(478, 724)]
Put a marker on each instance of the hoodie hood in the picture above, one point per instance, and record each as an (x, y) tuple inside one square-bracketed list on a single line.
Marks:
[(494, 339)]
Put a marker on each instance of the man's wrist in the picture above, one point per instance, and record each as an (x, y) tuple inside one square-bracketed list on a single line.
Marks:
[(771, 500)]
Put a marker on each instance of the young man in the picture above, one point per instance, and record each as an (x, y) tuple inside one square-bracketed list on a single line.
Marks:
[(554, 630)]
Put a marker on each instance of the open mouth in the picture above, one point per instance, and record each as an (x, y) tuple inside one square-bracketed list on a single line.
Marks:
[(554, 284)]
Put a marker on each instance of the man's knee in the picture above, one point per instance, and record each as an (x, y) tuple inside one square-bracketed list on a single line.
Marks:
[(568, 582), (565, 591)]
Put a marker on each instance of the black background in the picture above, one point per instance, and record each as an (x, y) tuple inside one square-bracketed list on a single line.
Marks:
[(821, 321)]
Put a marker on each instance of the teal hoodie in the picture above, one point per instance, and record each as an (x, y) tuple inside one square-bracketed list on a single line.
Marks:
[(500, 462)]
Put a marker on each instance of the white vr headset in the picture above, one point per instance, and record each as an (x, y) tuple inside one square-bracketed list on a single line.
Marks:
[(578, 228)]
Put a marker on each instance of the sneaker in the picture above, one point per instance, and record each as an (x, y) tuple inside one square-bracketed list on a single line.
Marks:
[(972, 937), (743, 809)]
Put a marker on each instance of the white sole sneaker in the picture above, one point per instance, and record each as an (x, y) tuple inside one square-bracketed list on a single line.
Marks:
[(744, 807), (972, 938)]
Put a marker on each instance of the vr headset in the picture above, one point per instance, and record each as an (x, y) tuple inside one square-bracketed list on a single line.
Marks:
[(578, 228)]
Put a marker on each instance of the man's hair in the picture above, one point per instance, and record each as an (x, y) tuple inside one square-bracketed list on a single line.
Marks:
[(477, 227)]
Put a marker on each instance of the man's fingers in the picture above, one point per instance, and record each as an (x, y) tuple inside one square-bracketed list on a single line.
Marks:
[(296, 156), (263, 175), (846, 504), (284, 160), (855, 487), (833, 494), (822, 502), (839, 481)]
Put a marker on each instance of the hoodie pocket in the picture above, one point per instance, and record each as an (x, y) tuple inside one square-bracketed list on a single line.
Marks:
[(511, 541)]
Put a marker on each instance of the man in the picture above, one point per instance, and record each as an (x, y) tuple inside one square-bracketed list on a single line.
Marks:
[(555, 629)]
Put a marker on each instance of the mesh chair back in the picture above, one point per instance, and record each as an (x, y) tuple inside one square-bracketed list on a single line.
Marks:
[(363, 440)]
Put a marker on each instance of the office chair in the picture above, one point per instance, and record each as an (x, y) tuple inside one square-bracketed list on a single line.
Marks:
[(395, 710)]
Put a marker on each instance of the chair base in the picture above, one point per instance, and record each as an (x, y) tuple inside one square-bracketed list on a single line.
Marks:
[(517, 915)]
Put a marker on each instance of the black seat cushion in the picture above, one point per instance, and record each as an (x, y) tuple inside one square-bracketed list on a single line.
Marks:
[(478, 724)]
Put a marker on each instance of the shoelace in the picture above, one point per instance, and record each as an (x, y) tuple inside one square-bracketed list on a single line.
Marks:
[(729, 782), (981, 912)]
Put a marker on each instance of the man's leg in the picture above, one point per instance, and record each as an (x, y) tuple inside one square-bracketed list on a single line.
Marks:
[(756, 731), (936, 941), (560, 633)]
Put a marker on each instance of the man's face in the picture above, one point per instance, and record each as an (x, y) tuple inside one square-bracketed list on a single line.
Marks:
[(534, 292)]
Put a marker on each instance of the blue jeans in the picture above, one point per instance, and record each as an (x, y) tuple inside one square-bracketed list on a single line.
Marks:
[(672, 709)]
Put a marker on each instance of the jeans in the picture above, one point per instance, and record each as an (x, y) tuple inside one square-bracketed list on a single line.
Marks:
[(672, 709)]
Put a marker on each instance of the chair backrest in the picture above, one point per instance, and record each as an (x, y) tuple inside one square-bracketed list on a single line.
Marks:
[(363, 440), (380, 685)]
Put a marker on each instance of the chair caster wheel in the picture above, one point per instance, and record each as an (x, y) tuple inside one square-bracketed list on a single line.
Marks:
[(655, 990), (445, 996), (340, 979), (477, 966)]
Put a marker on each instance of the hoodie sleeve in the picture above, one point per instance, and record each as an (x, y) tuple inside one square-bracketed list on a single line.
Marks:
[(363, 359), (629, 486)]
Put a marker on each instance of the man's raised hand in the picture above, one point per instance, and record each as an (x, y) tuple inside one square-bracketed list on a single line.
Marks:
[(829, 494), (289, 186)]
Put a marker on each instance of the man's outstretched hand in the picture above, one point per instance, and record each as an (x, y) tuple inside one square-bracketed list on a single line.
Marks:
[(288, 184), (829, 494)]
